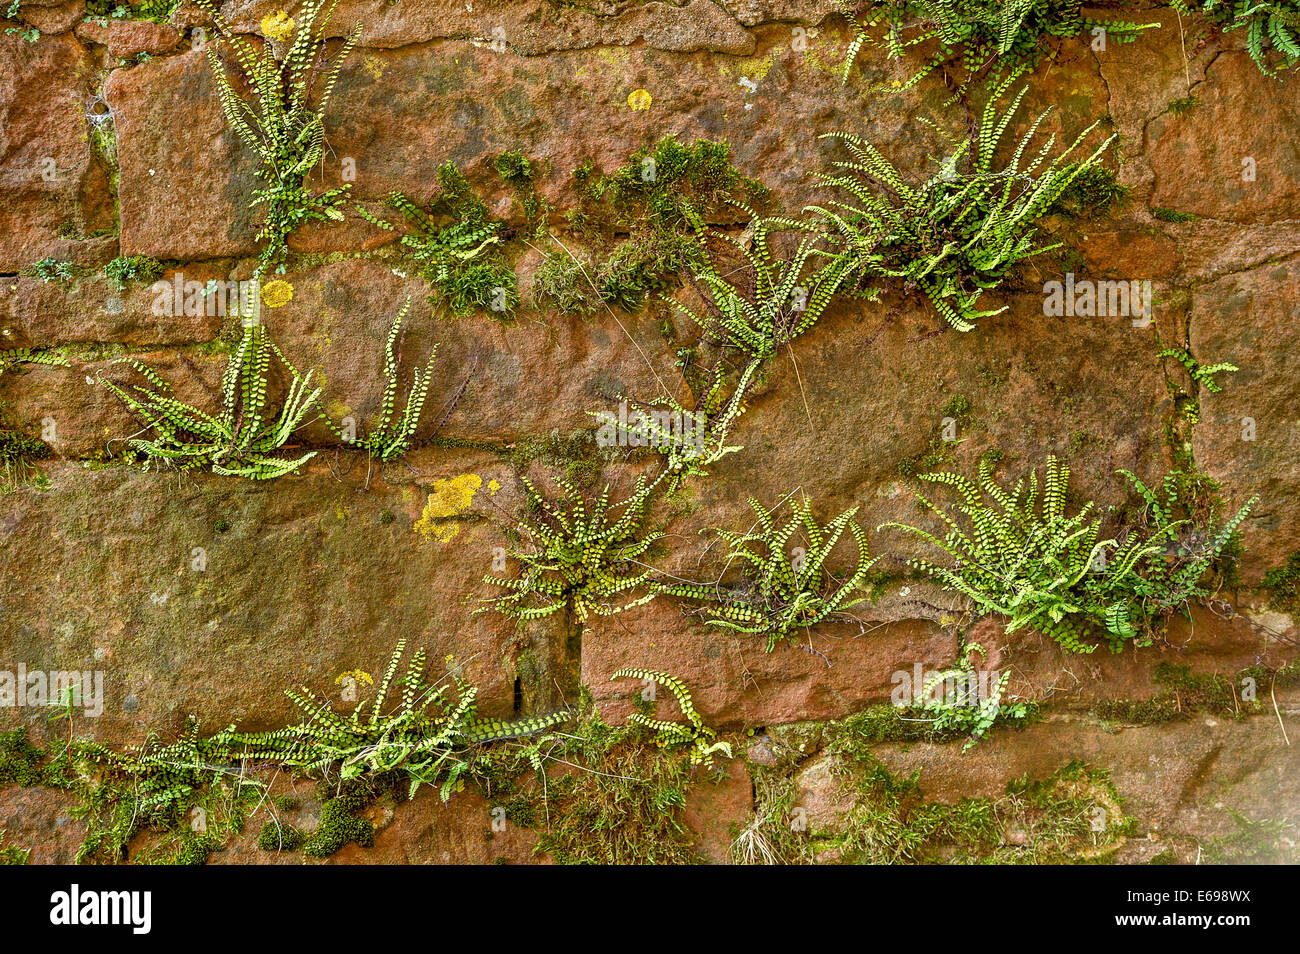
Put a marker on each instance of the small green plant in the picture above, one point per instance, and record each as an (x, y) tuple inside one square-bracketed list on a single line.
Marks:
[(422, 737), (1025, 558), (456, 245), (960, 232), (993, 37), (783, 593), (1272, 27), (132, 269), (12, 854), (53, 270), (282, 125), (1202, 377), (581, 558), (242, 439), (701, 741), (780, 300), (12, 357), (390, 436), (966, 709)]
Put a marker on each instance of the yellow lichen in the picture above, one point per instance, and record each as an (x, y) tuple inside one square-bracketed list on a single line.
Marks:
[(277, 26), (451, 496), (277, 294), (639, 99)]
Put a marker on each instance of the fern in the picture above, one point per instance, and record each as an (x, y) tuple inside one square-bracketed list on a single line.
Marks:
[(282, 124), (989, 37), (964, 710), (701, 740), (781, 299), (1272, 27), (581, 557), (1020, 555), (783, 592), (243, 438), (456, 245), (960, 232), (390, 435), (12, 357)]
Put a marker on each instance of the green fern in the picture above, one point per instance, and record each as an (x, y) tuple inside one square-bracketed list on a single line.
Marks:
[(1020, 555), (989, 37), (1272, 27), (456, 245), (783, 592), (960, 232), (282, 124), (12, 357), (580, 558), (780, 300), (701, 740), (390, 436), (242, 439)]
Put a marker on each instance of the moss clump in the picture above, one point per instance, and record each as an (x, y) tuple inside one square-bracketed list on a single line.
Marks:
[(1172, 215), (1183, 693), (12, 854), (128, 269), (339, 826), (622, 805), (1053, 821), (18, 457), (637, 268), (20, 760), (1283, 585), (659, 181), (277, 837), (1094, 191), (1258, 842)]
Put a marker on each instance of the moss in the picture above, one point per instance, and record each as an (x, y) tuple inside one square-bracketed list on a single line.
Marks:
[(1182, 693), (1183, 105), (1283, 585), (1052, 821), (623, 804), (12, 854), (1251, 842), (1095, 191), (20, 760), (1172, 215), (339, 826), (278, 837), (129, 269), (19, 455)]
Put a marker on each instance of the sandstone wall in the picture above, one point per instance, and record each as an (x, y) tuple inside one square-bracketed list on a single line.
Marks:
[(312, 575)]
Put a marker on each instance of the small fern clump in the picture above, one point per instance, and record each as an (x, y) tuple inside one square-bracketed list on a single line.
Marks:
[(456, 245), (783, 592), (701, 741), (1272, 27), (581, 558), (422, 737), (283, 125), (991, 37), (779, 300), (242, 440), (973, 706), (390, 436), (1025, 558), (960, 232)]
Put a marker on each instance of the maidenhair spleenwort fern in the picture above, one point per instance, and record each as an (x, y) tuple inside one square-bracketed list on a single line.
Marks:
[(1272, 27), (425, 738), (1019, 554), (579, 557), (993, 37), (784, 592), (243, 439), (282, 125), (701, 740), (389, 435), (781, 298), (12, 357), (960, 232)]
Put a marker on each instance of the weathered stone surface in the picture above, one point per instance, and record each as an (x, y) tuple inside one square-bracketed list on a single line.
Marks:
[(312, 576), (46, 169)]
